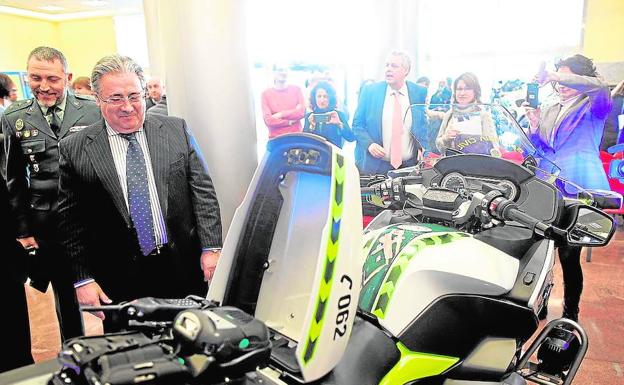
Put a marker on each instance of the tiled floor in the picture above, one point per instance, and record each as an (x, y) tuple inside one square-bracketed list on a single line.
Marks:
[(602, 315)]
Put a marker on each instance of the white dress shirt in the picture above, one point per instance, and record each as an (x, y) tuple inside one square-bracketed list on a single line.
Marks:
[(386, 123)]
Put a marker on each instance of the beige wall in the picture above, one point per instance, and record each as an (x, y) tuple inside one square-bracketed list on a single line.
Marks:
[(82, 41), (604, 30)]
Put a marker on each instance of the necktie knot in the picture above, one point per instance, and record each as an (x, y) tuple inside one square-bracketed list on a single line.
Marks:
[(131, 137)]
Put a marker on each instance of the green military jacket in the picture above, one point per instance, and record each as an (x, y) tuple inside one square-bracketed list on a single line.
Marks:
[(32, 157)]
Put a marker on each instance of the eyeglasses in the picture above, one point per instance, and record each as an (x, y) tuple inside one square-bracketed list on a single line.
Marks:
[(463, 89), (119, 100)]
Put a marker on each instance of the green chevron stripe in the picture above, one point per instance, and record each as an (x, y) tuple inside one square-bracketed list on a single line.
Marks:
[(331, 253), (401, 263)]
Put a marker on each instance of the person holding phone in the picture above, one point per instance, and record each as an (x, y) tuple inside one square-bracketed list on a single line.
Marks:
[(325, 120), (569, 134), (467, 118)]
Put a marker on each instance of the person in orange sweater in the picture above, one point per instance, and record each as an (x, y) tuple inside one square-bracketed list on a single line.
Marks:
[(282, 105)]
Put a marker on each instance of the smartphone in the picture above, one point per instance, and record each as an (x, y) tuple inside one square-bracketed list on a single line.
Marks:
[(532, 94), (321, 118)]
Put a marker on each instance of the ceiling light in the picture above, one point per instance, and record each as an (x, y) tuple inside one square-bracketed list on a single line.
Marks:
[(51, 8)]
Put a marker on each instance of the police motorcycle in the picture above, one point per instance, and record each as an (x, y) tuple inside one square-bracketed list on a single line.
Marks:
[(446, 289)]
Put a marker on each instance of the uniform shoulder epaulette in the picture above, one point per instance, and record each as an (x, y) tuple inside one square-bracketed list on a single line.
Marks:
[(19, 105), (84, 97)]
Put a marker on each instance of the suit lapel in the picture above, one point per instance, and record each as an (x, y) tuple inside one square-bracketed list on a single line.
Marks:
[(159, 155), (72, 114), (569, 120), (547, 123), (378, 106), (101, 157), (37, 120)]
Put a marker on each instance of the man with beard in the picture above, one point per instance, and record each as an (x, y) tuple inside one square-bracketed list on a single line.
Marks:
[(32, 130)]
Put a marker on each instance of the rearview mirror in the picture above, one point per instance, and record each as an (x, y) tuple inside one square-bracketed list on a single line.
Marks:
[(592, 228)]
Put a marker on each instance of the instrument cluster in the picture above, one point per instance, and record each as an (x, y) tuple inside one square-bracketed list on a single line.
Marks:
[(466, 183)]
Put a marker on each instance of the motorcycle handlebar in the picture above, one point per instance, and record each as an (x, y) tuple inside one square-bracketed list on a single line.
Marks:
[(507, 210), (366, 191), (511, 213)]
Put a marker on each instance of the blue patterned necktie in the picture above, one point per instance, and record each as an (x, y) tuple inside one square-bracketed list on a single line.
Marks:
[(138, 195)]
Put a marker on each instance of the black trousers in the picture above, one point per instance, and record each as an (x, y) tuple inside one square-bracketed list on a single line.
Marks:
[(51, 264), (14, 322), (570, 258)]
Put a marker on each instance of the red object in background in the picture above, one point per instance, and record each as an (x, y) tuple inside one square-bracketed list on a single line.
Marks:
[(366, 219), (615, 183), (513, 156)]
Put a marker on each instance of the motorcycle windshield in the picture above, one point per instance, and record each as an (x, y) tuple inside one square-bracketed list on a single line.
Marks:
[(486, 129)]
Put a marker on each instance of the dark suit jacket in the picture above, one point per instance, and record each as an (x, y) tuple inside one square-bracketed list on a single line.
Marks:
[(32, 160), (97, 229), (367, 124)]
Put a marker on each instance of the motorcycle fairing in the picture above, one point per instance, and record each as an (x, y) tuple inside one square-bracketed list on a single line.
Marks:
[(292, 256), (414, 365), (388, 256), (429, 265)]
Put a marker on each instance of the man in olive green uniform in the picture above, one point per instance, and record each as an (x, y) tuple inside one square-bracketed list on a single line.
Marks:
[(32, 130)]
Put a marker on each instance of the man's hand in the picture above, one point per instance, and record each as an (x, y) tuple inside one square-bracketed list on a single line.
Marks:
[(90, 295), (376, 150), (28, 242), (209, 259), (533, 115)]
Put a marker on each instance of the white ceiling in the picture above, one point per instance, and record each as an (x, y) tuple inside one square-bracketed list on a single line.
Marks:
[(64, 9)]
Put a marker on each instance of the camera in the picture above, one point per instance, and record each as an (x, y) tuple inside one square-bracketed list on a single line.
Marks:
[(322, 118)]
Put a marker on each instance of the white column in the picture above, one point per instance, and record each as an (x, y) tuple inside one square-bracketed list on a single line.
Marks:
[(154, 51), (203, 44)]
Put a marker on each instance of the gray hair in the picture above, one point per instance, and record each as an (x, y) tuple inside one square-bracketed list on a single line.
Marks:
[(405, 59), (48, 54), (115, 64)]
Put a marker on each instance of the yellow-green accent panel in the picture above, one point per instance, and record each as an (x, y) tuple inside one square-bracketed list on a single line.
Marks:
[(331, 253), (413, 366)]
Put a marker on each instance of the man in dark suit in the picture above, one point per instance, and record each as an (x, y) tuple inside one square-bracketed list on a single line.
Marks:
[(138, 210), (385, 140), (32, 130)]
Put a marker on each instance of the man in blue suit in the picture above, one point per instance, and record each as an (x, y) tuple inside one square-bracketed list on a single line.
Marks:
[(387, 137)]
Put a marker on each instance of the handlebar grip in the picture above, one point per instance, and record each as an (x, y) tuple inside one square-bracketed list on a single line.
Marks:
[(511, 213), (365, 191)]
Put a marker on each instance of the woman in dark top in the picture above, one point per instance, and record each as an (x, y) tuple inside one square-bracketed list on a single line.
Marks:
[(325, 120)]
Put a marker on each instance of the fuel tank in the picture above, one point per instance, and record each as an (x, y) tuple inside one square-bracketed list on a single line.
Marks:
[(409, 266)]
